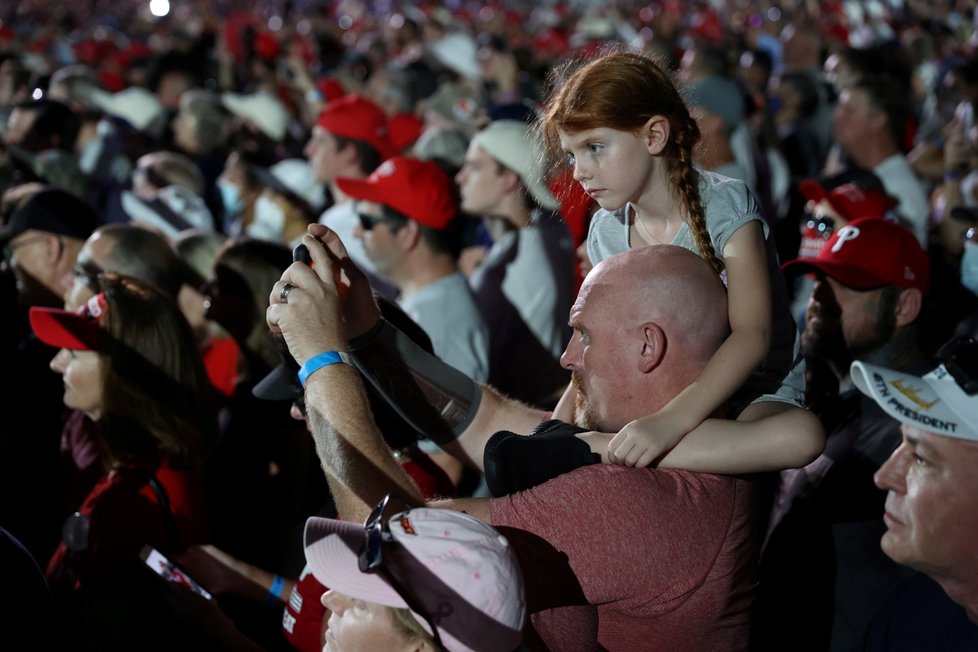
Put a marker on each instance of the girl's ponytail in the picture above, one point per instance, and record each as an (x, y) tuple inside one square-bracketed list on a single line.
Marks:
[(687, 184)]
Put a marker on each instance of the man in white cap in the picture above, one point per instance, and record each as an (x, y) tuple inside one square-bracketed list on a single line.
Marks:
[(932, 489), (525, 284)]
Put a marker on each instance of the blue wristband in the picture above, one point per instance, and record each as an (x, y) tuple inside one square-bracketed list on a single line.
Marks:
[(275, 591), (313, 365)]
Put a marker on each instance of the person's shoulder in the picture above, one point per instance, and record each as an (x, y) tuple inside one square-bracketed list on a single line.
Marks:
[(718, 186), (726, 201)]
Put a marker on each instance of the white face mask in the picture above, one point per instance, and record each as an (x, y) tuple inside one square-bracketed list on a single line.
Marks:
[(969, 267), (230, 197), (269, 221)]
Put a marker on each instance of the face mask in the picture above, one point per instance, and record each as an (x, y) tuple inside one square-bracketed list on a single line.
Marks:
[(269, 220), (230, 197), (969, 267)]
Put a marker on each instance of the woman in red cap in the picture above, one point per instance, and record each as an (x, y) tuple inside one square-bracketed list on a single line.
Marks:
[(130, 362)]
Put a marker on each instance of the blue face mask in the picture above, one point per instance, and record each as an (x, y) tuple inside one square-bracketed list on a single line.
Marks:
[(969, 267), (230, 197)]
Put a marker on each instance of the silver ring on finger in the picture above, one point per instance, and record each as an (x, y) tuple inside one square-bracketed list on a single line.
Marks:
[(284, 294)]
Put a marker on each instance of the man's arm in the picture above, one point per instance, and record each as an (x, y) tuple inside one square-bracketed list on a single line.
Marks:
[(358, 464)]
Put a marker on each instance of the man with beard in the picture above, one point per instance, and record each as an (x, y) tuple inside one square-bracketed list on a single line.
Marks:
[(41, 241), (822, 571), (614, 556)]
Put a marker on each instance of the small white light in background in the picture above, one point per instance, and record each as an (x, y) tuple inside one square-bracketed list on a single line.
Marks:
[(159, 7), (37, 94)]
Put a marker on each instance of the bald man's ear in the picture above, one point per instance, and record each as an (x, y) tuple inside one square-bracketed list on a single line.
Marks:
[(908, 306), (653, 347)]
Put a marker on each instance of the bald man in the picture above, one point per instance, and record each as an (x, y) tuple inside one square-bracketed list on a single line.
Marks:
[(614, 556)]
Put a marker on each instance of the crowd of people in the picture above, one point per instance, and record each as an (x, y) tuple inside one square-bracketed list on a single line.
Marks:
[(656, 322)]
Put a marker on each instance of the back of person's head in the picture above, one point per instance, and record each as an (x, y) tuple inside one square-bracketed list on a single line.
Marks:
[(164, 169), (199, 250), (709, 61), (72, 85), (258, 265), (209, 118), (804, 85), (623, 90), (55, 126), (890, 98), (143, 254)]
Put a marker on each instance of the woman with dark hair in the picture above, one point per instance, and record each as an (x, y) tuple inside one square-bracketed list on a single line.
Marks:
[(265, 471), (130, 363)]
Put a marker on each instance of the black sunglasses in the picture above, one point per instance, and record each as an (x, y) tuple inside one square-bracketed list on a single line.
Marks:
[(368, 222), (371, 560), (960, 359)]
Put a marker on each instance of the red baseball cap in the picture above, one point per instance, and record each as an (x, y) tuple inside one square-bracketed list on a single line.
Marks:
[(357, 118), (849, 200), (419, 189), (78, 331), (870, 253), (405, 129)]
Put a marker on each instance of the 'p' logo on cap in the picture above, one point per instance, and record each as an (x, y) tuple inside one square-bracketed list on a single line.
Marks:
[(845, 234)]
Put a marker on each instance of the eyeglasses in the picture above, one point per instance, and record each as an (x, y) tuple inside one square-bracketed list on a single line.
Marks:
[(821, 225), (960, 359), (371, 560)]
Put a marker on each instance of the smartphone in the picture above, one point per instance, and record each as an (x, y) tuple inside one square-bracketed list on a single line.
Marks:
[(301, 254), (170, 571)]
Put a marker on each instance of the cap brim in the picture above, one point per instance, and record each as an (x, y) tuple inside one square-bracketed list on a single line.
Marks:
[(857, 279), (269, 180), (66, 330), (543, 196), (332, 550), (155, 214), (919, 402), (279, 385), (361, 189)]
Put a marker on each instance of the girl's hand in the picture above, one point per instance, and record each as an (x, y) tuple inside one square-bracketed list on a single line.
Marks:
[(644, 441)]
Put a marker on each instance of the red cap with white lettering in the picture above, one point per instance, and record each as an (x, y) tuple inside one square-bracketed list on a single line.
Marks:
[(867, 254)]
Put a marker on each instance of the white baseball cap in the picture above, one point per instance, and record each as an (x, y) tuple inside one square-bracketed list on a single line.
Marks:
[(935, 402), (174, 209), (135, 105), (295, 175), (517, 147), (264, 110), (460, 569)]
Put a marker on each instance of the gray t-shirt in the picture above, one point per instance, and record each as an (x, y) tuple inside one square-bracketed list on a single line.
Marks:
[(448, 313), (729, 205)]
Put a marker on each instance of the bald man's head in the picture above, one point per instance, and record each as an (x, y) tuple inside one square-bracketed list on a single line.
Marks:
[(646, 322)]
